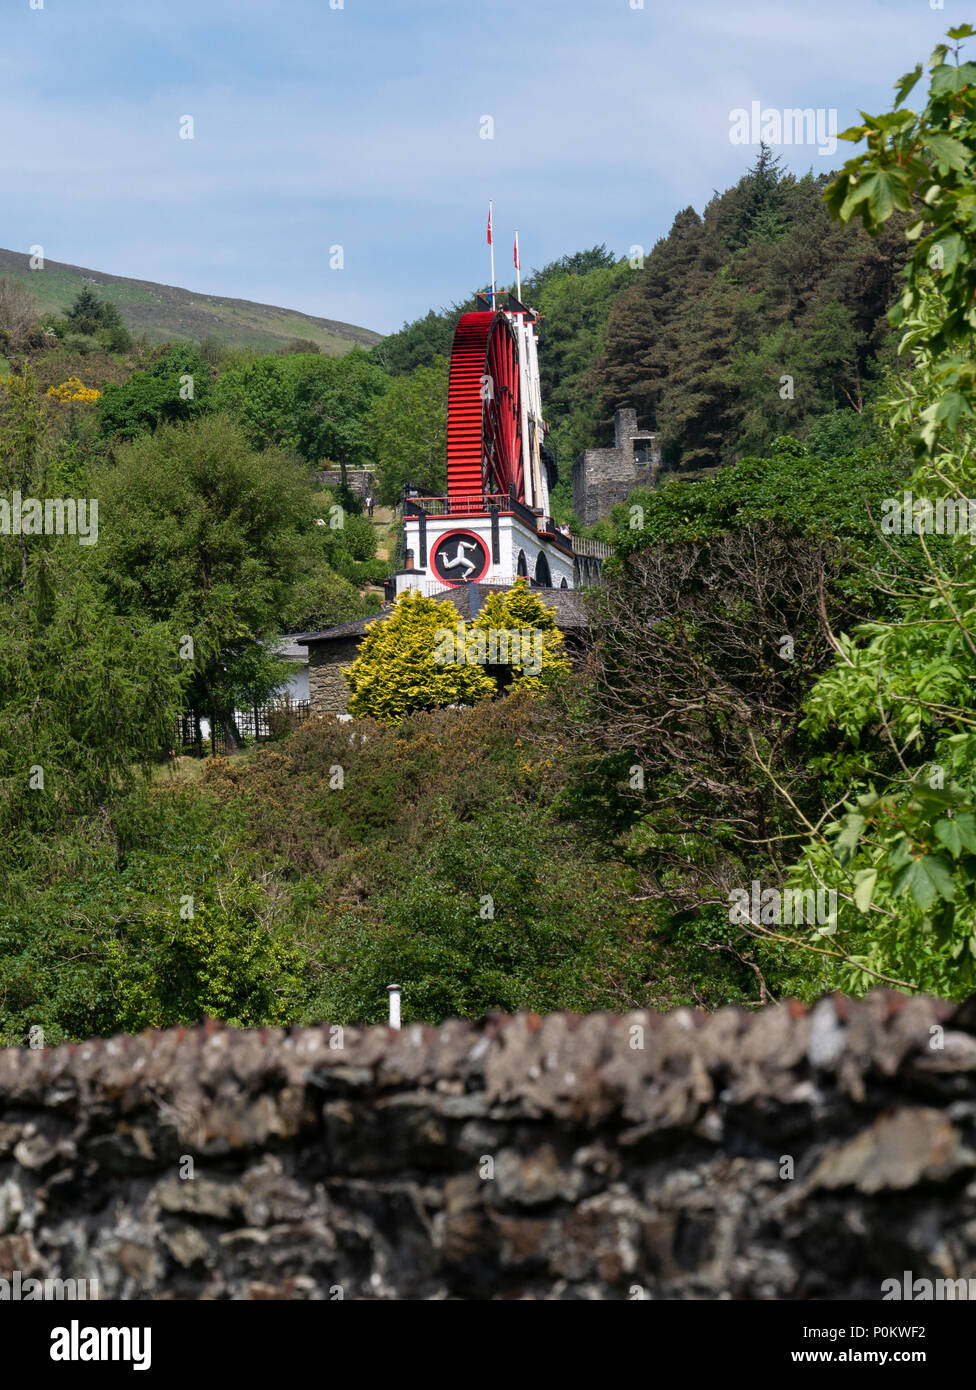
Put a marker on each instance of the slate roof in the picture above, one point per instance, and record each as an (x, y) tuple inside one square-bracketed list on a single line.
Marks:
[(289, 646), (567, 603)]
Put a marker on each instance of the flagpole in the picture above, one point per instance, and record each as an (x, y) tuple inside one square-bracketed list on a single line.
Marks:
[(518, 269), (491, 243)]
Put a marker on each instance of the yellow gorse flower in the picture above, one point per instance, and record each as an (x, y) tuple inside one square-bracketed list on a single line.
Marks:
[(74, 390)]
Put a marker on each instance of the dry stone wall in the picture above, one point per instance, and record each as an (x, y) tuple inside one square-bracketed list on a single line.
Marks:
[(793, 1154), (327, 688)]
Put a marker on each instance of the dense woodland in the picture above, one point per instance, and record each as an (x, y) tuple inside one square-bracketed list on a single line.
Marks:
[(777, 692), (697, 335)]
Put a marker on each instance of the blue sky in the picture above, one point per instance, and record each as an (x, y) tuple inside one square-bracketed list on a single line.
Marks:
[(359, 126)]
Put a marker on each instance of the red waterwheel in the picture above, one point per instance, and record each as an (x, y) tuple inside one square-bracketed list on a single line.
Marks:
[(484, 416)]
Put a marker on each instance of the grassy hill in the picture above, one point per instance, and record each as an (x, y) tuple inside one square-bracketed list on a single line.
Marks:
[(163, 312)]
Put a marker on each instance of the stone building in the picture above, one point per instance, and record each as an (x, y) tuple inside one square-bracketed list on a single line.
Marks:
[(333, 650), (604, 477)]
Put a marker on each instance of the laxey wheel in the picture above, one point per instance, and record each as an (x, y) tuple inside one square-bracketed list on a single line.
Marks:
[(484, 415)]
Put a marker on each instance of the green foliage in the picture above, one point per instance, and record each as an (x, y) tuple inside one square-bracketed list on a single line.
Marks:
[(175, 388), (156, 924), (442, 861), (397, 671), (84, 694), (421, 343), (425, 656), (408, 427), (99, 319), (924, 164), (574, 296), (317, 406), (215, 553), (751, 321), (832, 499), (349, 547), (902, 856), (519, 610), (491, 920)]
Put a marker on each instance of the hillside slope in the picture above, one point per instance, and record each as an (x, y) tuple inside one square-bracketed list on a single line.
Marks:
[(164, 312)]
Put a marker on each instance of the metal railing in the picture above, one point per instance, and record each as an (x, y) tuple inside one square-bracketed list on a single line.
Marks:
[(201, 734), (598, 550), (452, 506)]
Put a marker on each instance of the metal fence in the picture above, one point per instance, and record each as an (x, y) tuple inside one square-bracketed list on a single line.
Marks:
[(598, 550), (201, 735)]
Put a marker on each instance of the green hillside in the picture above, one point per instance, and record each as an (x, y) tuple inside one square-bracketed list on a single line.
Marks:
[(164, 312)]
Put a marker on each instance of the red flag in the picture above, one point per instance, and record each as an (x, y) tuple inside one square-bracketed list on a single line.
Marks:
[(489, 224), (517, 266)]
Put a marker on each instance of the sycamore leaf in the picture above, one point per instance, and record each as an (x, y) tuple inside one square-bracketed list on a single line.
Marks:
[(957, 834), (905, 83), (951, 247), (927, 879), (883, 191), (946, 78), (947, 833), (864, 881), (949, 150), (850, 833)]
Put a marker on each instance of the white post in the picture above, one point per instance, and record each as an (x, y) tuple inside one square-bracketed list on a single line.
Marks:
[(492, 244), (518, 269), (394, 993)]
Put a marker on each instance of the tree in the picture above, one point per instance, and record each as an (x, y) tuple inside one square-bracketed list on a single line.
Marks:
[(318, 406), (520, 611), (85, 693), (401, 667), (698, 648), (330, 407), (208, 535), (749, 322), (85, 314), (901, 856), (418, 344), (408, 429), (320, 600), (112, 332), (99, 319), (425, 656), (176, 387), (575, 306)]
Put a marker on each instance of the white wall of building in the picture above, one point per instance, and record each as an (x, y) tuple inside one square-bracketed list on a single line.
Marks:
[(515, 537)]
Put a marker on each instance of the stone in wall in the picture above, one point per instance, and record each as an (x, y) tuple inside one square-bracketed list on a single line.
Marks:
[(327, 689), (792, 1153)]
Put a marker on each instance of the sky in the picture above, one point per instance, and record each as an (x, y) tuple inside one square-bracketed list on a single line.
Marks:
[(361, 124)]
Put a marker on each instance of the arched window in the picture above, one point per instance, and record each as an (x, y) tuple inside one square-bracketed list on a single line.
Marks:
[(564, 585), (542, 575), (520, 565)]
